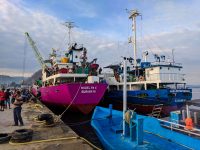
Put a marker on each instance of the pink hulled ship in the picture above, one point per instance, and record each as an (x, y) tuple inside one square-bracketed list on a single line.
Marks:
[(70, 80)]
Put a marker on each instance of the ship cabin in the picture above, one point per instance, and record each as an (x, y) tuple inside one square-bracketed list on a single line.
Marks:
[(70, 68), (147, 75)]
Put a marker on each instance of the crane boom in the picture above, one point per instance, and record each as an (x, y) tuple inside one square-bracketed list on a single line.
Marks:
[(35, 49)]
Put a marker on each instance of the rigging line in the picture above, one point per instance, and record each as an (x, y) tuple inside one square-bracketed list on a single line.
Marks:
[(157, 46), (147, 45), (141, 34), (24, 59), (61, 43)]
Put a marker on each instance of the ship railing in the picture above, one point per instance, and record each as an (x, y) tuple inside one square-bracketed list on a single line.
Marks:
[(108, 75), (166, 77), (166, 63), (179, 127)]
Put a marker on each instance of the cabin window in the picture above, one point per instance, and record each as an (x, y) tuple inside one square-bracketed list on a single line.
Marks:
[(168, 68), (67, 80), (120, 87), (113, 87), (160, 67), (179, 69), (82, 80)]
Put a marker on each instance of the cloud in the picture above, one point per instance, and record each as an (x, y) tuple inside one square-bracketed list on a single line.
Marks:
[(107, 44), (185, 42)]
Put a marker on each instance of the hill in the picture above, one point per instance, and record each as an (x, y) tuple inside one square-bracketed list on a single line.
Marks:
[(34, 77), (4, 79)]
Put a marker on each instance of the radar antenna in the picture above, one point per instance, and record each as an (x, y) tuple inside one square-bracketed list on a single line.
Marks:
[(69, 25)]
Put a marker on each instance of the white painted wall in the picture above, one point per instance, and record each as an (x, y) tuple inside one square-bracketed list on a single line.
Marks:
[(164, 74)]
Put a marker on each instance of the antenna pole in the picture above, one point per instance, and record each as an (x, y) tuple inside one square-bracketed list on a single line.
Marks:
[(173, 57), (69, 25), (133, 15)]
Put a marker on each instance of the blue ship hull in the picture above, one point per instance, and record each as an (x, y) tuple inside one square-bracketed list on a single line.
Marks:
[(144, 100), (155, 137)]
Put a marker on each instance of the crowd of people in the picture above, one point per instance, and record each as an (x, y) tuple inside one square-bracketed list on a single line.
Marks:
[(14, 98)]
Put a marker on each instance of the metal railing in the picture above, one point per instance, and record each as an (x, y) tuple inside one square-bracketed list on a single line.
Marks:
[(175, 126), (166, 63), (165, 77)]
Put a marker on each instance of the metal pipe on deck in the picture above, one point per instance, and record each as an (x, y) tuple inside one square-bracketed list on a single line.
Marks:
[(124, 97)]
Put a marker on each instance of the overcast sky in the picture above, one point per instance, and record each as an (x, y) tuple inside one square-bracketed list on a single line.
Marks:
[(103, 28)]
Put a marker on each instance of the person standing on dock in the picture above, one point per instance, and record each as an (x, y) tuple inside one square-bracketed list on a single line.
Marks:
[(7, 96), (2, 99), (17, 109)]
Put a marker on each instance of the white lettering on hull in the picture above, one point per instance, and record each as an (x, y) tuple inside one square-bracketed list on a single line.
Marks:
[(88, 89)]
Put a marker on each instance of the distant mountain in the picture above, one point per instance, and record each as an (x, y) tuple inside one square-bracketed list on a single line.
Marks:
[(4, 79), (34, 77)]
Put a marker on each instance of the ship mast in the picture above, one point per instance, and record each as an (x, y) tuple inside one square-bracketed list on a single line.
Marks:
[(133, 15), (69, 25)]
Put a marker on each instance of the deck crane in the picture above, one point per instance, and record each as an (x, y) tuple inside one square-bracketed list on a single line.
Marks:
[(36, 51)]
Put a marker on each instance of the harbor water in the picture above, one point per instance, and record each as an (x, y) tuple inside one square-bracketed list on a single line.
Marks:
[(196, 93), (79, 123)]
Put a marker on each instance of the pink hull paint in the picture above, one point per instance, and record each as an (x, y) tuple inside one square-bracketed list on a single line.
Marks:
[(84, 97)]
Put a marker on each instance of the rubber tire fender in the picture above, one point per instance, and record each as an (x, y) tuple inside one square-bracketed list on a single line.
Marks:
[(46, 117), (22, 135), (4, 137)]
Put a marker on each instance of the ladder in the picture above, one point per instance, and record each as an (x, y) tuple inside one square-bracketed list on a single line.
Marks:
[(156, 110)]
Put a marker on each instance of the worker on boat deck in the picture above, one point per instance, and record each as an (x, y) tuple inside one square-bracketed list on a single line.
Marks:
[(2, 99), (17, 109)]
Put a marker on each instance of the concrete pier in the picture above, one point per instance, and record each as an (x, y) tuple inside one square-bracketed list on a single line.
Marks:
[(59, 137)]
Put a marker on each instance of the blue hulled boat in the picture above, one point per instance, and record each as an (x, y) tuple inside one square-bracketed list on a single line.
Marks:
[(148, 83), (142, 132), (127, 130)]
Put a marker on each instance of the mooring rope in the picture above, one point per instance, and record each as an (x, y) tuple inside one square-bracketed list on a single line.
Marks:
[(60, 116)]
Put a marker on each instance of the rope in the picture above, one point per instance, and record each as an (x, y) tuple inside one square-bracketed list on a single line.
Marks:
[(167, 139), (24, 59), (57, 139), (70, 103)]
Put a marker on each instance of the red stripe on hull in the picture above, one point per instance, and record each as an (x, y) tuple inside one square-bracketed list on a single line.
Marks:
[(141, 108)]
